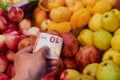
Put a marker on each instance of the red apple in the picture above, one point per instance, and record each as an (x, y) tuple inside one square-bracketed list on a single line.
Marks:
[(10, 55), (25, 24), (33, 31), (2, 12), (3, 46), (70, 63), (3, 24), (13, 33), (3, 76), (23, 31), (10, 71), (15, 14), (12, 40), (11, 27), (60, 65), (3, 63), (53, 32), (86, 55), (70, 45), (59, 68), (27, 41)]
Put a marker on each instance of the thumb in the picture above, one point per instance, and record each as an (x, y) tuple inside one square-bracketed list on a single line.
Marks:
[(26, 50), (41, 53)]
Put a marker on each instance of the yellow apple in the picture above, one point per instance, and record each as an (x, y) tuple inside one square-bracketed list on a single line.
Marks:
[(115, 42), (117, 12), (85, 77), (85, 37), (69, 74), (108, 70), (117, 32), (101, 39), (113, 55), (90, 69), (95, 22), (110, 21)]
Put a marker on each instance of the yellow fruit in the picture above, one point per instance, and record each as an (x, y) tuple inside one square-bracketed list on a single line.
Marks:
[(74, 5), (115, 42), (114, 2), (95, 23), (60, 14), (39, 16), (42, 5), (80, 18), (113, 55), (110, 21), (85, 77), (60, 27), (89, 3), (108, 70), (117, 32), (51, 4), (90, 69), (116, 11), (48, 5), (101, 39), (101, 6), (74, 19), (85, 37), (69, 74)]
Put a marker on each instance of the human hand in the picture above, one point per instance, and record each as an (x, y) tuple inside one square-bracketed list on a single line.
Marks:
[(31, 66)]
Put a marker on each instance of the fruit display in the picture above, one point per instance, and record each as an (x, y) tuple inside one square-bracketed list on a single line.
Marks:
[(90, 30)]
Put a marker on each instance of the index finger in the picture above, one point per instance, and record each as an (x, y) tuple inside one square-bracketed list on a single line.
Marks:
[(28, 49)]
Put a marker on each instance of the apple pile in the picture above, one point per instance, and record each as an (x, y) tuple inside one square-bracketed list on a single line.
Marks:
[(16, 32), (90, 30)]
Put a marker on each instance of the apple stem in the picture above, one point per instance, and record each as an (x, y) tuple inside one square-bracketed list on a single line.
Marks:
[(105, 64)]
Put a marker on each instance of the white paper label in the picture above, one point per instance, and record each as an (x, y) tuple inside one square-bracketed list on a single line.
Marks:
[(52, 41)]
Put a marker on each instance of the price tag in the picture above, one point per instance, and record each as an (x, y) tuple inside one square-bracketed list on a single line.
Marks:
[(52, 41)]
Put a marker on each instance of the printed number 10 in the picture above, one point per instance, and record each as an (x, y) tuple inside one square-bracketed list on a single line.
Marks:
[(54, 39)]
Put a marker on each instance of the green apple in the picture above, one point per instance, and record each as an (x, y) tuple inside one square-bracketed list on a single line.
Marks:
[(90, 69), (85, 77), (101, 39), (108, 70), (115, 42), (69, 74), (85, 37), (110, 21), (116, 11), (95, 22), (113, 55)]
